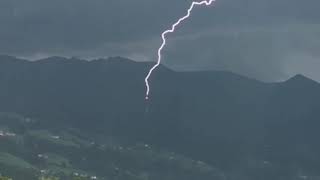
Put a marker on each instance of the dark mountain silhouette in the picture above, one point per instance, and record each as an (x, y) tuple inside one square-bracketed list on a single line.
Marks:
[(227, 120)]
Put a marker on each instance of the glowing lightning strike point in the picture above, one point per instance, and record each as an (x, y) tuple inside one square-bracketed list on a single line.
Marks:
[(173, 28)]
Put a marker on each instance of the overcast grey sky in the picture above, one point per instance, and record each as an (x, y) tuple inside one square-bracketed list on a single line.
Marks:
[(266, 39)]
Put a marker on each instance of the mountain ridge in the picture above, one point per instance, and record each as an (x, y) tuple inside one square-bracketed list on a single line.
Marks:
[(119, 59)]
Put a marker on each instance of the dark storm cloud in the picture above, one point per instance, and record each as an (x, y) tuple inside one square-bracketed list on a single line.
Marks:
[(265, 39), (31, 26), (267, 52), (268, 40)]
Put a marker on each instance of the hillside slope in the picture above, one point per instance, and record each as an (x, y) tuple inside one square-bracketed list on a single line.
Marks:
[(229, 121)]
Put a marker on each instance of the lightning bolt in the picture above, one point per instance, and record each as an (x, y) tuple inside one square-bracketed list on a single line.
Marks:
[(164, 40)]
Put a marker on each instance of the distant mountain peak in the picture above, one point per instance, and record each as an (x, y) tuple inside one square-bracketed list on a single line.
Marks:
[(300, 77), (301, 80)]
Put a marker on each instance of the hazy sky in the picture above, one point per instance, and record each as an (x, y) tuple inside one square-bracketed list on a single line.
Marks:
[(265, 39)]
